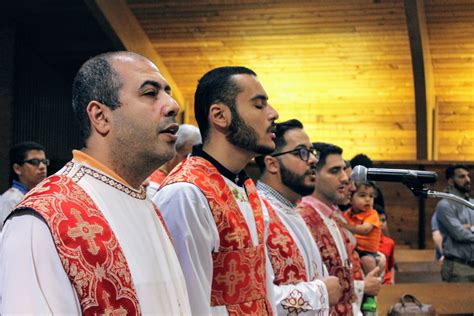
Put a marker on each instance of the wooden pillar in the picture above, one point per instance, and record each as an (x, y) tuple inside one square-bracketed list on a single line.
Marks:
[(422, 77)]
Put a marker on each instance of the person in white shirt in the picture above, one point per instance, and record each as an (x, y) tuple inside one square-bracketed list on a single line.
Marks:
[(87, 240), (28, 167)]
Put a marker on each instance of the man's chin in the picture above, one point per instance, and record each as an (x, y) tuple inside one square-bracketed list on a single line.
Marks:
[(264, 149)]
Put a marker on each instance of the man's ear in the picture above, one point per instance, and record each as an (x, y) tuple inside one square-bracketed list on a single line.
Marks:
[(220, 116), (451, 182), (17, 169), (271, 164), (99, 116)]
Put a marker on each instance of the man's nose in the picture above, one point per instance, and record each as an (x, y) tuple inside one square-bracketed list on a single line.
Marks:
[(312, 160), (171, 107), (344, 177), (273, 113)]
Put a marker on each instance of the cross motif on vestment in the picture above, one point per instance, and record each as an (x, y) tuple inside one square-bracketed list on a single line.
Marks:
[(85, 231)]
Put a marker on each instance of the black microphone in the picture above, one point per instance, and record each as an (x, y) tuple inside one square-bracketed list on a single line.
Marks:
[(362, 174)]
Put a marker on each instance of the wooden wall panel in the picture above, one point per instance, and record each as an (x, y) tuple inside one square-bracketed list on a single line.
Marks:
[(451, 32), (341, 67)]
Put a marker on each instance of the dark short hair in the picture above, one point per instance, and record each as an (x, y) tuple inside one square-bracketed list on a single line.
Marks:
[(366, 184), (216, 86), (325, 149), (19, 152), (96, 80), (451, 170), (361, 160), (280, 131)]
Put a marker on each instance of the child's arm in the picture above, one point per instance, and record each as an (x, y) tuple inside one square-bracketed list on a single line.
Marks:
[(362, 229)]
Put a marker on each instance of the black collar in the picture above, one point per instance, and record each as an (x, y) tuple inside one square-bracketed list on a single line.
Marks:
[(238, 179)]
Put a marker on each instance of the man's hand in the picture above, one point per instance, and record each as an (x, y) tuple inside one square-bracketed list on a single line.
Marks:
[(334, 289), (372, 282)]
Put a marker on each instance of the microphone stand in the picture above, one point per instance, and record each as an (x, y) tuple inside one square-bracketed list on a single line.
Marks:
[(418, 190)]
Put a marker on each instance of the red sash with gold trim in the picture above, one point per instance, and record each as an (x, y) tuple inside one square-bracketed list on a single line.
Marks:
[(238, 279), (287, 261), (87, 247), (331, 257)]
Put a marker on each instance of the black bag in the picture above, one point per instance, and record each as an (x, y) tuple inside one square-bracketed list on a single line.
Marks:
[(411, 306)]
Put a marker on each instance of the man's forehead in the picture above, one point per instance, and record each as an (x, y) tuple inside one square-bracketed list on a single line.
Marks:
[(334, 160), (297, 136), (125, 65), (461, 172), (35, 152), (249, 83)]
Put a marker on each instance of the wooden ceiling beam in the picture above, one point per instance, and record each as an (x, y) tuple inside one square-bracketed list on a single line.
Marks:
[(124, 29), (422, 77)]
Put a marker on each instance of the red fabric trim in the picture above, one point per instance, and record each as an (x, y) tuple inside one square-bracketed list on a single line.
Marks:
[(287, 261), (239, 267), (87, 247), (331, 258)]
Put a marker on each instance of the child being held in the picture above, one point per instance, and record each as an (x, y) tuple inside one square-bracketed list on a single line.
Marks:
[(363, 221)]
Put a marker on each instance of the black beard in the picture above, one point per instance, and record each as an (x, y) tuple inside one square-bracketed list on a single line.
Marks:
[(295, 182), (244, 136), (464, 189)]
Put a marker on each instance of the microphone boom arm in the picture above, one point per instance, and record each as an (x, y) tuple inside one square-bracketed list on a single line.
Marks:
[(450, 196)]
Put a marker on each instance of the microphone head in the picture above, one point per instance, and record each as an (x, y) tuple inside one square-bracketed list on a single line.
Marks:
[(359, 174)]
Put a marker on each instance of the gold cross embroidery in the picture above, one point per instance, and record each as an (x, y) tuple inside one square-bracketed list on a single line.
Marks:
[(85, 231), (109, 309), (231, 277)]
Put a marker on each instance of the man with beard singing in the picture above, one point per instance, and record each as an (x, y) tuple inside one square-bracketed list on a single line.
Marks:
[(210, 205), (302, 284)]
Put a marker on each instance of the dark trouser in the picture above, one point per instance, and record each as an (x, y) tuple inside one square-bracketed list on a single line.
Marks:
[(456, 271)]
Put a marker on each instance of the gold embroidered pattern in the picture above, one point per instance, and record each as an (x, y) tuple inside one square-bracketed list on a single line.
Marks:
[(85, 231), (137, 194), (238, 196), (295, 303)]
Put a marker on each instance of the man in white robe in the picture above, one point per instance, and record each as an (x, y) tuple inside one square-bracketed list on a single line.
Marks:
[(211, 207), (86, 240), (287, 175)]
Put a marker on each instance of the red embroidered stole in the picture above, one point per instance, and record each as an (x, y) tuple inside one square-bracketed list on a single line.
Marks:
[(238, 279), (287, 262), (331, 257), (87, 247)]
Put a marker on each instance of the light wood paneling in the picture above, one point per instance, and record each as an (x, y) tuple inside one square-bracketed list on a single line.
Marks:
[(451, 31), (342, 67), (331, 64)]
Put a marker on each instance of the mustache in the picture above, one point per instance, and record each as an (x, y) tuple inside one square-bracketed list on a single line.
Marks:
[(164, 123), (272, 128), (311, 171)]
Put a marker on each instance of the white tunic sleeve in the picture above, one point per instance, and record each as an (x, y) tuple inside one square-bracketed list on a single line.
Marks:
[(359, 291), (189, 219), (32, 278), (311, 297)]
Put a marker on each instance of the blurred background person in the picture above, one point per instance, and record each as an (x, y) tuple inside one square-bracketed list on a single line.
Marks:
[(188, 136), (28, 167)]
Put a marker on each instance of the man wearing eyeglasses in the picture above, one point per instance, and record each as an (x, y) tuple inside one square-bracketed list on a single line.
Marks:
[(302, 284), (28, 167)]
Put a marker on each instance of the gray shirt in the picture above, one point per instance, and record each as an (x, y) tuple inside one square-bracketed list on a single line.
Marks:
[(458, 241)]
